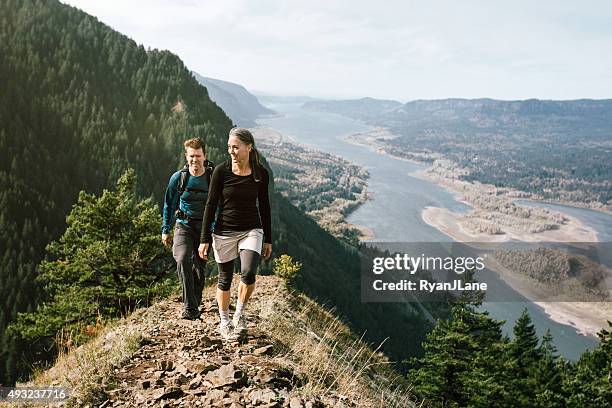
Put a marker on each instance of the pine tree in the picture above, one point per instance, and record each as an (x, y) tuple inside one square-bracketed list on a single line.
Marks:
[(548, 392), (589, 384), (463, 357), (524, 356), (108, 261)]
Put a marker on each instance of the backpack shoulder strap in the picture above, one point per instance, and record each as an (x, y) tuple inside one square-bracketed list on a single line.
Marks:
[(182, 184), (209, 167)]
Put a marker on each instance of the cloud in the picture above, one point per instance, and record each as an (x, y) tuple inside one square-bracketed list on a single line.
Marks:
[(399, 49)]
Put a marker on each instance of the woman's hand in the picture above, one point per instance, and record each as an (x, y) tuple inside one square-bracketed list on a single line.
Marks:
[(203, 251), (266, 251)]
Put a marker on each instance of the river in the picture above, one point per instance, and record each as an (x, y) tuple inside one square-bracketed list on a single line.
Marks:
[(394, 211)]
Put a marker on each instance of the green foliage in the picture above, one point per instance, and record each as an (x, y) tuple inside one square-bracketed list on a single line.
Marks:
[(589, 382), (80, 103), (468, 363), (286, 268), (461, 356), (108, 261), (524, 358)]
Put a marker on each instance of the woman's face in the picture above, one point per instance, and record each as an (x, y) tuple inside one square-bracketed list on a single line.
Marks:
[(238, 150)]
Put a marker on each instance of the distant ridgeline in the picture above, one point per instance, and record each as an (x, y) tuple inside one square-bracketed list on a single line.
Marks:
[(560, 150), (80, 104), (238, 103)]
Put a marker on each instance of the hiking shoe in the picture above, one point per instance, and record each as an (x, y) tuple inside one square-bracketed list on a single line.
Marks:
[(190, 315), (227, 331), (240, 324)]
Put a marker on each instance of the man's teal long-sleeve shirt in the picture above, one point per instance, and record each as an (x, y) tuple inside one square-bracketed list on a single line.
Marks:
[(192, 201)]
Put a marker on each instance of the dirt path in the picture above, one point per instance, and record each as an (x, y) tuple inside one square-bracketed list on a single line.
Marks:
[(186, 363)]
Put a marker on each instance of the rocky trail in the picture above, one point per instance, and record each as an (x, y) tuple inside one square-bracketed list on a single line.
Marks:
[(184, 363)]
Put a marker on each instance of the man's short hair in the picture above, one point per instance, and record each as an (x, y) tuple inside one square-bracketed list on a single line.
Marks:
[(195, 143)]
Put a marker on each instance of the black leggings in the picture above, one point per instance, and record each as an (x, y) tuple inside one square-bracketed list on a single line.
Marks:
[(248, 267)]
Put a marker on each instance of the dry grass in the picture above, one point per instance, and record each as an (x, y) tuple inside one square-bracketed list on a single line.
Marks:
[(332, 361), (86, 371), (330, 356)]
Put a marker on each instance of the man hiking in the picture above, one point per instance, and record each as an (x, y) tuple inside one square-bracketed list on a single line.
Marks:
[(184, 201)]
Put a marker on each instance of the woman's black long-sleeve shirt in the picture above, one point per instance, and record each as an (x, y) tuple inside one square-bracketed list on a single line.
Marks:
[(239, 198)]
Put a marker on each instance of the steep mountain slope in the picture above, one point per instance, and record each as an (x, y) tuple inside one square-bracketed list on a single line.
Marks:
[(238, 103)]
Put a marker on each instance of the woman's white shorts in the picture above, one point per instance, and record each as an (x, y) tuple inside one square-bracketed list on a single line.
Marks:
[(227, 246)]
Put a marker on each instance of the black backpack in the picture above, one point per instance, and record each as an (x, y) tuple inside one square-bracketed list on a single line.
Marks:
[(208, 170)]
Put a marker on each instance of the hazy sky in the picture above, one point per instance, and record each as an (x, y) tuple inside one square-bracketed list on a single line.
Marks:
[(400, 50)]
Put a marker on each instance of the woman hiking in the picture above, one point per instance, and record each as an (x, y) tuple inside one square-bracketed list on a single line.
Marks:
[(242, 229)]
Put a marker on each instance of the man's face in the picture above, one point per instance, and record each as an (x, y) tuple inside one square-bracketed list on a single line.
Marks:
[(195, 159)]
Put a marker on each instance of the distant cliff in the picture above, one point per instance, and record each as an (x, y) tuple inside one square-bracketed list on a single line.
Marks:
[(238, 103)]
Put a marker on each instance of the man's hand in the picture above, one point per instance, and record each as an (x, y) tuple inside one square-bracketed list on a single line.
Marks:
[(266, 251), (167, 240), (203, 251)]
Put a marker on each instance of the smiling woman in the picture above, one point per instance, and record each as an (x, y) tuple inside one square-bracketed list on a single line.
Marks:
[(242, 228)]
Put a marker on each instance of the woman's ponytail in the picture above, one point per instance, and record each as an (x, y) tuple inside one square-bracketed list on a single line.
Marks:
[(255, 164)]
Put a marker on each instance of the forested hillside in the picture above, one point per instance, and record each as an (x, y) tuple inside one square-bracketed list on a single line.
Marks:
[(80, 104)]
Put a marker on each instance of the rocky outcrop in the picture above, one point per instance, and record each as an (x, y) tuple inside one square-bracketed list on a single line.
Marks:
[(296, 354), (187, 363)]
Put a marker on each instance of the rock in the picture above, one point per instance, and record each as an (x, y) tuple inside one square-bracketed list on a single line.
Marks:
[(263, 350), (262, 396), (215, 397), (155, 394), (145, 384), (181, 369), (195, 383), (237, 398), (295, 402), (206, 341), (212, 348), (203, 366), (226, 375), (279, 377), (249, 359), (314, 404), (165, 365), (180, 379), (157, 374), (172, 392)]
